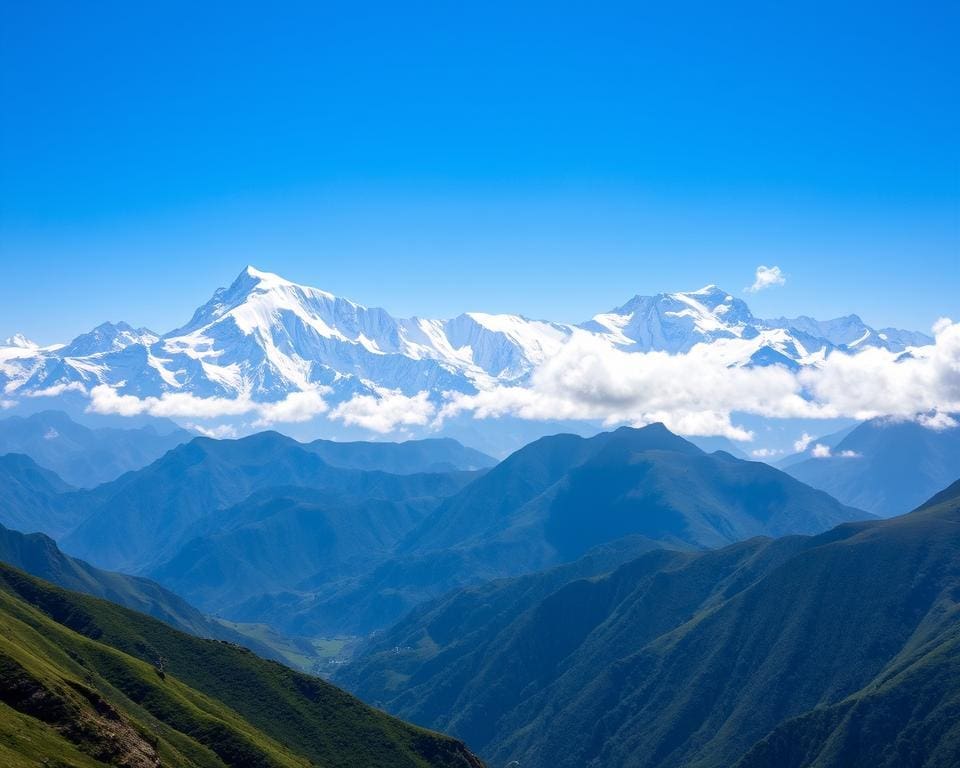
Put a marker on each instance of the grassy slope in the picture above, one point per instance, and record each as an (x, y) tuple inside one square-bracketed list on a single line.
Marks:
[(79, 673)]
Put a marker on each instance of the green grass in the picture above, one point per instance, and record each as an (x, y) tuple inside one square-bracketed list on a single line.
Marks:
[(81, 684), (313, 655)]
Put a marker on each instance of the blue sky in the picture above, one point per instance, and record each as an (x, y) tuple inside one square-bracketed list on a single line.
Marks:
[(552, 160)]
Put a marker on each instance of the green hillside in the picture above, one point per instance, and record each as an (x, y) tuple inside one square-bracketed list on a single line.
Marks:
[(84, 682)]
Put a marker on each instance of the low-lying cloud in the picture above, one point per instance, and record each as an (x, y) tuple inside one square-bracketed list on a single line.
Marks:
[(385, 411), (821, 451), (696, 393), (295, 407)]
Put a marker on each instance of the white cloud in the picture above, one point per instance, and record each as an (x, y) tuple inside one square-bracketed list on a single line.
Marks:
[(295, 407), (937, 421), (802, 443), (385, 410), (6, 404), (693, 393), (218, 431), (765, 453), (766, 277), (105, 399), (696, 393), (875, 382), (821, 451), (942, 324), (55, 390)]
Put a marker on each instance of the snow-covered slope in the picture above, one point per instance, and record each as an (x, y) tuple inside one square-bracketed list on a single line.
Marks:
[(264, 337)]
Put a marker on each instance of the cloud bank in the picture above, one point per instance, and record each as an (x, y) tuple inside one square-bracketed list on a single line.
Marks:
[(696, 393), (385, 411), (295, 407)]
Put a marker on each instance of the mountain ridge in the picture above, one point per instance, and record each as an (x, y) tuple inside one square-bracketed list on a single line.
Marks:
[(548, 504), (264, 337)]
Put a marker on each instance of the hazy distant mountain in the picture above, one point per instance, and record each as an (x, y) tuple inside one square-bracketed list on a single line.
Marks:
[(406, 458), (718, 443), (84, 682), (143, 517), (82, 456), (836, 650), (831, 441), (549, 503), (265, 337), (884, 466), (33, 498)]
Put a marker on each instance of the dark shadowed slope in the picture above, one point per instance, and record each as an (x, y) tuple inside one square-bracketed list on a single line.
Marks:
[(82, 456), (39, 556), (834, 650), (85, 682), (145, 516), (285, 538), (885, 467)]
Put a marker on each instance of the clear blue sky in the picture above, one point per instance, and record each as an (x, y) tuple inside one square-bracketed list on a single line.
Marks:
[(432, 158)]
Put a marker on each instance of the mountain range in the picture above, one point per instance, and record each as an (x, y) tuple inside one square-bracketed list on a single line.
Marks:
[(142, 517), (264, 337), (264, 529), (546, 504), (627, 598), (81, 456), (883, 466), (841, 649)]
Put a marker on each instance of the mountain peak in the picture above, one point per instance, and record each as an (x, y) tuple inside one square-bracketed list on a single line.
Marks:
[(20, 341), (707, 290), (624, 441), (264, 278), (108, 337)]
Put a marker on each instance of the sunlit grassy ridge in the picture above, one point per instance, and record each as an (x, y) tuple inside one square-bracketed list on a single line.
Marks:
[(86, 682)]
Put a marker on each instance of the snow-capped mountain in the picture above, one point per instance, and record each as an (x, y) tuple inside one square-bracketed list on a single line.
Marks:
[(107, 337), (20, 341), (264, 337)]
